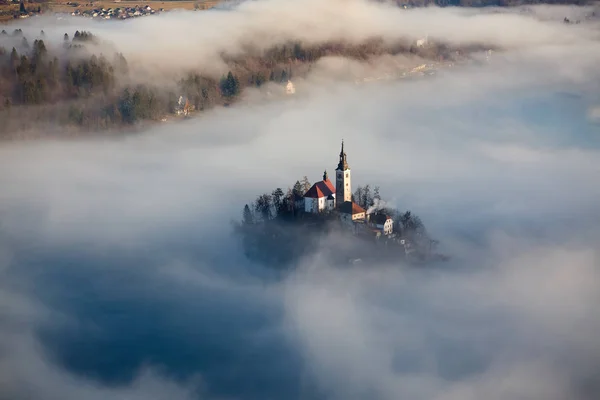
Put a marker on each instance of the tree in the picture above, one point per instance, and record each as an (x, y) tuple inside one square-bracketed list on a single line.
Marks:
[(305, 185), (297, 190), (259, 79), (14, 58), (39, 51), (121, 63), (230, 86), (277, 200), (376, 195), (411, 223), (367, 199), (359, 196), (248, 216), (288, 201), (22, 9), (263, 206)]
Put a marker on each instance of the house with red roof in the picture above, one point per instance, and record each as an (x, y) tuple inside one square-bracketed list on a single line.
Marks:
[(320, 197), (382, 222), (350, 212)]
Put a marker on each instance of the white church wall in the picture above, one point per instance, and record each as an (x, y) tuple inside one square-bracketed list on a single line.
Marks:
[(308, 204)]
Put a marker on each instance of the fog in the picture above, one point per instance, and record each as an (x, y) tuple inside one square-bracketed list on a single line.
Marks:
[(173, 41), (120, 276)]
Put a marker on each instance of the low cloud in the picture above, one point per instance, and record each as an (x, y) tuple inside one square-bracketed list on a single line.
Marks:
[(177, 41), (120, 276)]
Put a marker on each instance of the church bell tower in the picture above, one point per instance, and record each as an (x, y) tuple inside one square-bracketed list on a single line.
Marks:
[(343, 188)]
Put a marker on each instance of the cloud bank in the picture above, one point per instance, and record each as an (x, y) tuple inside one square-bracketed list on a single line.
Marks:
[(196, 40), (120, 277)]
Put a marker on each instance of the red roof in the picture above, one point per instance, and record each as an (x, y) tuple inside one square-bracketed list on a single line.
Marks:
[(320, 189), (350, 207)]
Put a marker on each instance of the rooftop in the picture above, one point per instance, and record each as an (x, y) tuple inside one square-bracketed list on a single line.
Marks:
[(350, 207), (320, 189)]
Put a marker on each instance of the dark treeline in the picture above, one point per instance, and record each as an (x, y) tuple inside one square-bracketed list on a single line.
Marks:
[(67, 86), (275, 231)]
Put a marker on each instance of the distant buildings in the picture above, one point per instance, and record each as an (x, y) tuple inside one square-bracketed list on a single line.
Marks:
[(183, 107), (117, 13)]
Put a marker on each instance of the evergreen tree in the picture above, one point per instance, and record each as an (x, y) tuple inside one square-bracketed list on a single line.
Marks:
[(14, 58), (277, 200), (230, 85), (263, 206), (248, 217), (39, 51), (121, 63), (22, 9)]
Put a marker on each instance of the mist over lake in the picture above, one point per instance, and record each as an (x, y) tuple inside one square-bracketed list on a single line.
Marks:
[(121, 276)]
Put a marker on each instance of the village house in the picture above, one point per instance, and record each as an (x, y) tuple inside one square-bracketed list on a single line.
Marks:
[(290, 88), (382, 222)]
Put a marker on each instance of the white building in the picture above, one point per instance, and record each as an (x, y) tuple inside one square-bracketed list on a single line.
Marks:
[(320, 197), (382, 222), (323, 196), (343, 180), (423, 42), (352, 212), (290, 88)]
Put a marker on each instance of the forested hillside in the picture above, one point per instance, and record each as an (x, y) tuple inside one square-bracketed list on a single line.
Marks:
[(69, 89)]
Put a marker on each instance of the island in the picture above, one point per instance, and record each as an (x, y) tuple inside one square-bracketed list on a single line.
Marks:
[(281, 229)]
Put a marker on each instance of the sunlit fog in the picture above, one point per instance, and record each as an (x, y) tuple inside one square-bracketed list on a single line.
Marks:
[(123, 273)]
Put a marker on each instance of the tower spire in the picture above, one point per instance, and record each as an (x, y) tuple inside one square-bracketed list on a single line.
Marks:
[(343, 191), (343, 164)]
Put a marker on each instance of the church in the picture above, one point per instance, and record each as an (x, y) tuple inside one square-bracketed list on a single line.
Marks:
[(323, 196)]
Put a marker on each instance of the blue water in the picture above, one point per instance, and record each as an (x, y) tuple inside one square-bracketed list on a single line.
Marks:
[(127, 315)]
